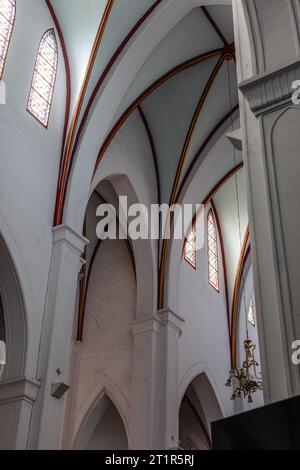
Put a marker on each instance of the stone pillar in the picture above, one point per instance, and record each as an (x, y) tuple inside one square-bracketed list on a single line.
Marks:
[(145, 350), (267, 44), (57, 335), (17, 398), (168, 378), (155, 413)]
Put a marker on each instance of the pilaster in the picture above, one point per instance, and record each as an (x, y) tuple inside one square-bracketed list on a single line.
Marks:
[(57, 335), (271, 142), (17, 398)]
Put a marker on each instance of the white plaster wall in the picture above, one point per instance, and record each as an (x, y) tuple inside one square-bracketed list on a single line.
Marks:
[(130, 154), (110, 433), (106, 351), (231, 205), (204, 346), (129, 165), (205, 341), (246, 295), (213, 165), (29, 159)]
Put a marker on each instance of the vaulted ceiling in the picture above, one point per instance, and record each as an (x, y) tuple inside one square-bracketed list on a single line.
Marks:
[(184, 110), (184, 92), (80, 24)]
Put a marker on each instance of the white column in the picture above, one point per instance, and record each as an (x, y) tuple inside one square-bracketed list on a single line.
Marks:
[(155, 413), (270, 126), (17, 398), (168, 378), (145, 350), (57, 336)]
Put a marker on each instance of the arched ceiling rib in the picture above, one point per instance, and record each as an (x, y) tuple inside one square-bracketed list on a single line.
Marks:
[(169, 108), (80, 23), (123, 18), (88, 78), (169, 111), (222, 98), (154, 86), (192, 36), (212, 137)]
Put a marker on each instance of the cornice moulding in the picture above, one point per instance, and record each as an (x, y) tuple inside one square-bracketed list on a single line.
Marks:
[(19, 389), (271, 90), (65, 234)]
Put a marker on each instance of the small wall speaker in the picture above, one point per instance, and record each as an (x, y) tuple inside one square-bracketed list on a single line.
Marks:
[(59, 389)]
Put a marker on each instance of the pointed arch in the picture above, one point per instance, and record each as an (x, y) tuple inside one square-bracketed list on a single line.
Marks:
[(14, 319), (212, 252), (199, 406), (105, 393), (189, 251), (43, 81), (251, 313), (7, 21)]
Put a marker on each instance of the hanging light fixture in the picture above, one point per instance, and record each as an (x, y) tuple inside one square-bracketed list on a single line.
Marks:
[(244, 381)]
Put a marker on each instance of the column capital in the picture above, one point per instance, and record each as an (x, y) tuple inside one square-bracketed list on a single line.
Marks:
[(272, 90), (153, 323), (144, 326), (19, 389), (170, 318), (65, 234)]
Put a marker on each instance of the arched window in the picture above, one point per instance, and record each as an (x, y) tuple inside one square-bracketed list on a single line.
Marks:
[(212, 252), (190, 247), (7, 20), (42, 85), (251, 314)]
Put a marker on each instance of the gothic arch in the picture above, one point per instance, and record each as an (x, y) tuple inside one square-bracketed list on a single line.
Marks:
[(195, 371), (143, 250), (102, 396), (160, 24), (14, 310), (199, 407), (176, 247)]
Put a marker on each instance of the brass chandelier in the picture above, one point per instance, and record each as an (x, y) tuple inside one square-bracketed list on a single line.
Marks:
[(247, 380)]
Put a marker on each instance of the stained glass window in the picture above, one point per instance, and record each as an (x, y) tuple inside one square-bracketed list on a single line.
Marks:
[(7, 19), (42, 86), (212, 246), (251, 315), (190, 247)]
